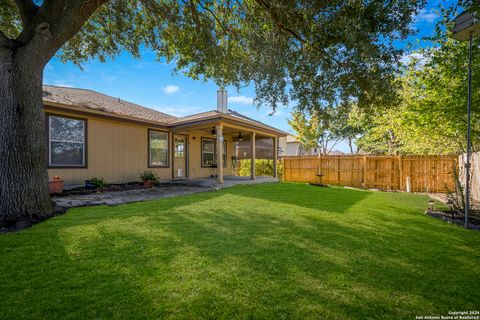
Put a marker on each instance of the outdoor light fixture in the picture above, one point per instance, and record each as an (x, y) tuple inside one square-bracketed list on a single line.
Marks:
[(239, 138), (467, 25)]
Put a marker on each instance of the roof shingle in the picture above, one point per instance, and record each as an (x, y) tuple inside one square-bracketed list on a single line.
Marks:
[(97, 101)]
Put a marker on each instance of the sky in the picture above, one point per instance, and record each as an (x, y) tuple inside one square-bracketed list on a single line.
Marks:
[(153, 84)]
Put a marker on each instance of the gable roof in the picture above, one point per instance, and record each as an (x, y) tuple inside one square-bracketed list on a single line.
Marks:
[(90, 99), (95, 101)]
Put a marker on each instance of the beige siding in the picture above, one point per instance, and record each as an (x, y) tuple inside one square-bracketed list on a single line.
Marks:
[(117, 152), (195, 161)]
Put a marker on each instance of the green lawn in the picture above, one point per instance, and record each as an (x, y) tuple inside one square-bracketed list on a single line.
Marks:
[(272, 251)]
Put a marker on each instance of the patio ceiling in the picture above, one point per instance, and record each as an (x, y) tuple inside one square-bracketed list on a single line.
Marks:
[(229, 131)]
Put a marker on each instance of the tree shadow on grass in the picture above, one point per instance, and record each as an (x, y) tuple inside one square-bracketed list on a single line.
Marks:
[(239, 254), (336, 200)]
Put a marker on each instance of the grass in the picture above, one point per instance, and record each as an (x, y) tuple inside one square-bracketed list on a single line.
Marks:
[(271, 251)]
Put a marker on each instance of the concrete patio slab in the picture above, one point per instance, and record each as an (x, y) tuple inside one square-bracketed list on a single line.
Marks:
[(122, 197), (165, 190), (228, 181)]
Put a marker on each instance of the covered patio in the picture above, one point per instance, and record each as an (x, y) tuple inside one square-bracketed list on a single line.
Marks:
[(234, 137)]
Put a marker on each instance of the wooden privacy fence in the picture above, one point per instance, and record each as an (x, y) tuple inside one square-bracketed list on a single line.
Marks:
[(432, 173)]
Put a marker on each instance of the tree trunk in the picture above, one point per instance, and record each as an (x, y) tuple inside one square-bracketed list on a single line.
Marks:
[(350, 145), (24, 193)]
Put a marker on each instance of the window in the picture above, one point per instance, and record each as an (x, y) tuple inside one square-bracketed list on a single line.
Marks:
[(179, 147), (157, 148), (224, 153), (66, 142), (209, 152)]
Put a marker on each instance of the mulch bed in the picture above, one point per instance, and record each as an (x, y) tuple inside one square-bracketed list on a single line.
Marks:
[(473, 221), (12, 226), (109, 188)]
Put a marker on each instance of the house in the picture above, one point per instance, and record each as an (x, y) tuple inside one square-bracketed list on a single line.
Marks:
[(94, 135), (292, 147)]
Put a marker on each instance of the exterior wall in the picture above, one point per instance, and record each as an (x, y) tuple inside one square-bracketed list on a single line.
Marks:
[(195, 161), (292, 148), (282, 146), (116, 151)]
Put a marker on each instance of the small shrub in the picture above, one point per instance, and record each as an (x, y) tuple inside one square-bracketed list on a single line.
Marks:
[(100, 183), (263, 167), (456, 198), (148, 176)]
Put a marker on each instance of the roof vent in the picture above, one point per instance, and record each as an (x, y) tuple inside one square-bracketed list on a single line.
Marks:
[(222, 98)]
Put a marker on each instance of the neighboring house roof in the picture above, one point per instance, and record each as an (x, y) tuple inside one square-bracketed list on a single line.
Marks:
[(93, 100)]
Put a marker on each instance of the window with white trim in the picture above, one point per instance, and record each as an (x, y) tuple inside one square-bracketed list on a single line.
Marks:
[(66, 142)]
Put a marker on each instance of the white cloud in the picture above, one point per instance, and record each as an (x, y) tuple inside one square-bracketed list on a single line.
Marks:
[(426, 15), (241, 100), (179, 111), (418, 57), (170, 89), (62, 84)]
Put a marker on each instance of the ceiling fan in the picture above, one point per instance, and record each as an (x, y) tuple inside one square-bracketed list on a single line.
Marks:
[(239, 138)]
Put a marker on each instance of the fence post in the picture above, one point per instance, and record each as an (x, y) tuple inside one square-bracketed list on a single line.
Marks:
[(338, 171), (400, 173), (365, 172)]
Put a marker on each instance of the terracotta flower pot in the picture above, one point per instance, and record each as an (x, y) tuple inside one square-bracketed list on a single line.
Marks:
[(55, 186), (148, 183)]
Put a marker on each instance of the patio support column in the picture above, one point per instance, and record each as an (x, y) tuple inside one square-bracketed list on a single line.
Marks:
[(252, 159), (220, 138), (275, 156)]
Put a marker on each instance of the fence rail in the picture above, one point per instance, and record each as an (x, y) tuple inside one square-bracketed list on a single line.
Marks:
[(430, 173)]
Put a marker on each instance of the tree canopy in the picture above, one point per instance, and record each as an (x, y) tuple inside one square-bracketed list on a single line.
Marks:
[(324, 129), (429, 115), (311, 52)]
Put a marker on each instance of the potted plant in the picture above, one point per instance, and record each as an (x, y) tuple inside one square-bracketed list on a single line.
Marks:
[(149, 178), (55, 185)]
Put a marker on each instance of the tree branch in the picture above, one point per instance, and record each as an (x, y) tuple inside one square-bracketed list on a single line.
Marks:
[(280, 25), (56, 22), (5, 42), (27, 10)]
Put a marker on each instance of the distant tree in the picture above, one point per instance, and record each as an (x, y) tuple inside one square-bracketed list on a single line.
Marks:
[(322, 130), (345, 125), (380, 131), (311, 51)]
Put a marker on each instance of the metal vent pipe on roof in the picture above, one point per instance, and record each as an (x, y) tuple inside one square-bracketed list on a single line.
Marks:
[(222, 100)]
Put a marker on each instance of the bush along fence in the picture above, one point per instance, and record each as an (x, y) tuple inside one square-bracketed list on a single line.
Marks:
[(263, 168), (429, 173)]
